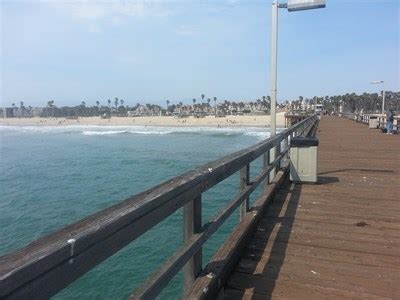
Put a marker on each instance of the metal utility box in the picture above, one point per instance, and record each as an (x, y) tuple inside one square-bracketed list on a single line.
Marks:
[(303, 159), (373, 122)]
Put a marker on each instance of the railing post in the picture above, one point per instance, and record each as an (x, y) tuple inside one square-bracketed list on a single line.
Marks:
[(192, 224), (266, 165), (244, 182), (286, 147), (272, 155), (277, 153)]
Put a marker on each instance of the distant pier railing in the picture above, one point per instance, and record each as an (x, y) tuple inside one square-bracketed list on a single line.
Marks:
[(48, 265), (379, 119)]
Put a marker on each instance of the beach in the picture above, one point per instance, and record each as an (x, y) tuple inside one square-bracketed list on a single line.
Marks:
[(228, 121)]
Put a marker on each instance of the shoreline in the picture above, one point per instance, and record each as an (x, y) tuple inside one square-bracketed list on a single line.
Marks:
[(154, 121)]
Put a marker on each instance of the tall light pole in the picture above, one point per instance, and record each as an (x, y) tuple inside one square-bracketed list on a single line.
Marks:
[(383, 93), (291, 5)]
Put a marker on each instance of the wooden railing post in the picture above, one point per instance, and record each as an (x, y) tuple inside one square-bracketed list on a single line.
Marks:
[(272, 155), (286, 146), (244, 182), (278, 152), (266, 165), (192, 224)]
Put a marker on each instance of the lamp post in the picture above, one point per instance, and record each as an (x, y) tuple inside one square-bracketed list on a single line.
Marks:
[(383, 93), (291, 5)]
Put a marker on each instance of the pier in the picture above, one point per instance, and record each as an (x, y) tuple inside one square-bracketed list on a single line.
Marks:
[(338, 238)]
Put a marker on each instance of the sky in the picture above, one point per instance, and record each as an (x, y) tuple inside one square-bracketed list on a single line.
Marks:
[(150, 51)]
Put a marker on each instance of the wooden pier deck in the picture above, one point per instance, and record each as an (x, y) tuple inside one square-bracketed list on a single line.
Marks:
[(339, 239)]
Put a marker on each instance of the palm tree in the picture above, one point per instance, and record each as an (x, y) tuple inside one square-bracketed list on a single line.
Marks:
[(97, 104), (82, 108), (116, 102), (215, 105), (109, 103), (166, 110), (202, 97), (50, 105), (180, 107), (194, 103), (122, 102)]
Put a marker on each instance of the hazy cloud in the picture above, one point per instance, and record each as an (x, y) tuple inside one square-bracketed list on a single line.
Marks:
[(91, 10), (184, 30)]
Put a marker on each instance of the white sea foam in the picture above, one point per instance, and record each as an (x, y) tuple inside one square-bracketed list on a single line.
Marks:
[(96, 130), (259, 134), (150, 132), (110, 132)]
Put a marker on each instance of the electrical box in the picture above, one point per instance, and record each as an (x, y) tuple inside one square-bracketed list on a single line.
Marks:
[(303, 159)]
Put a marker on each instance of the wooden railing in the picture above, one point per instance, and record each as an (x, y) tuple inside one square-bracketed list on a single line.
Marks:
[(51, 263), (380, 119)]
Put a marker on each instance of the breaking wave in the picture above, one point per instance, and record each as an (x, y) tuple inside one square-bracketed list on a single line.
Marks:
[(95, 130)]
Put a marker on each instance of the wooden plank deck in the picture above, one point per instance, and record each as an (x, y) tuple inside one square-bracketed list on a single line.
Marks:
[(337, 239)]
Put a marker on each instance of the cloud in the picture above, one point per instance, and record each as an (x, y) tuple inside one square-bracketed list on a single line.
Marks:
[(93, 10), (185, 31), (218, 7), (127, 59), (88, 10)]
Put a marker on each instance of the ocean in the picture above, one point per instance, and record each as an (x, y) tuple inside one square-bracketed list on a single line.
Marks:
[(53, 176)]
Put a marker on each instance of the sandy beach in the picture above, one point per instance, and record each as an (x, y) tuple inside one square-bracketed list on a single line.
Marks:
[(228, 121)]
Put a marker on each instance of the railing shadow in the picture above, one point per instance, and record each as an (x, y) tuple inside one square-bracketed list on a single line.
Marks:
[(277, 214), (278, 251)]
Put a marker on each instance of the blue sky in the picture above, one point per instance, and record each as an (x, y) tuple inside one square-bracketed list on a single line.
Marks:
[(150, 51)]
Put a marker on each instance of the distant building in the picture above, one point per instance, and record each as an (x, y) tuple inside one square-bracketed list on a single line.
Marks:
[(18, 112), (36, 112), (9, 112), (318, 108)]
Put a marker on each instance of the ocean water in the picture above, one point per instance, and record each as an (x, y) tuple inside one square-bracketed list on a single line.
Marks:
[(53, 176)]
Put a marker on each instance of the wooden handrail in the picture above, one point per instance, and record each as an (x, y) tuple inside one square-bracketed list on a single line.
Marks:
[(364, 118), (51, 263)]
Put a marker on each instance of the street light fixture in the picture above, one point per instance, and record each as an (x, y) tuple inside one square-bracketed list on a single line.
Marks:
[(295, 5), (383, 92), (291, 5)]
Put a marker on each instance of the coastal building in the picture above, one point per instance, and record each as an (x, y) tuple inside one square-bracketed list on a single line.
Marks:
[(20, 112), (8, 112)]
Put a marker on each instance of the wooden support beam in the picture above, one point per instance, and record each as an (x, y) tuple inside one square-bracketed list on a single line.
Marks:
[(192, 224), (266, 163), (277, 153), (244, 182)]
